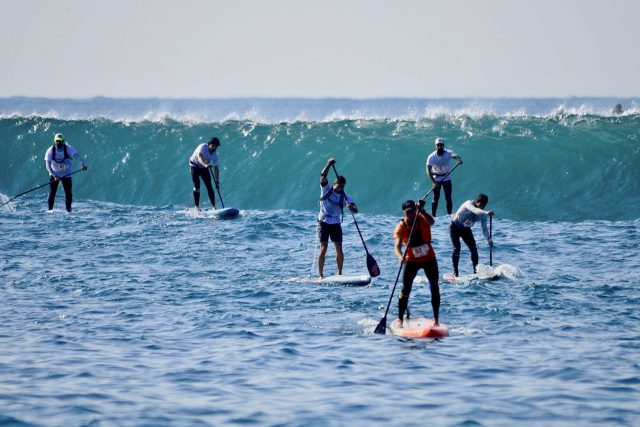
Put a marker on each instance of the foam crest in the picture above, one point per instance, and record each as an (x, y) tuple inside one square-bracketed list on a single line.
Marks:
[(292, 110)]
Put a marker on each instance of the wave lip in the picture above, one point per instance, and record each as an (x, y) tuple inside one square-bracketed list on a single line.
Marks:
[(292, 110)]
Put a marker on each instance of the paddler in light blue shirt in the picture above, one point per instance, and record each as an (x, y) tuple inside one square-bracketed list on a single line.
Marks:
[(465, 217), (204, 158), (58, 161), (333, 199)]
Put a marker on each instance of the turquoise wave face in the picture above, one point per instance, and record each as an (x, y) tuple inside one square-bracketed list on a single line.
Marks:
[(562, 168)]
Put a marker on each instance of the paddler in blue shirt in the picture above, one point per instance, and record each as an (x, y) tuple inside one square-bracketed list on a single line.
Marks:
[(204, 158), (58, 161), (460, 227), (333, 200)]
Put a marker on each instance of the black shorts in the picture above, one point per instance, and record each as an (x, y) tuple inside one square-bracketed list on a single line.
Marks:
[(329, 230)]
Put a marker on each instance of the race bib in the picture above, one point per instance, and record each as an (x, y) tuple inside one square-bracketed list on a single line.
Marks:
[(420, 251), (61, 167)]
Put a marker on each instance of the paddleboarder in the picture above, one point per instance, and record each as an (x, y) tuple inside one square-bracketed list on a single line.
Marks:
[(415, 231), (438, 171), (204, 158), (58, 160), (465, 217), (333, 200)]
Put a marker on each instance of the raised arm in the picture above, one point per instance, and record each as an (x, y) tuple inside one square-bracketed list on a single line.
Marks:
[(325, 171)]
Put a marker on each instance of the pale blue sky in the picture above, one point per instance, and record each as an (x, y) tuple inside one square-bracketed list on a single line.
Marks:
[(327, 48)]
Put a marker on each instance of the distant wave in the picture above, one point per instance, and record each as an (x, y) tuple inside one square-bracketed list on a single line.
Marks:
[(292, 110)]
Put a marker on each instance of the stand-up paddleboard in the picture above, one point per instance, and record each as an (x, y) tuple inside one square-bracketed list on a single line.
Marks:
[(225, 213), (418, 327), (346, 280), (58, 212), (466, 278)]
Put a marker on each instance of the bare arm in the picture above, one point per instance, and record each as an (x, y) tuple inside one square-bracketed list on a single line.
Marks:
[(421, 203), (325, 171), (428, 217), (398, 249), (201, 161)]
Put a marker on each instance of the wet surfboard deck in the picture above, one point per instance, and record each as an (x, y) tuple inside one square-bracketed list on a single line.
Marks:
[(224, 213), (346, 280), (418, 327)]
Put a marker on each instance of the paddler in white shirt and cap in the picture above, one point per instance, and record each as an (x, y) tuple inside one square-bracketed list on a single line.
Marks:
[(205, 157), (438, 168), (58, 161)]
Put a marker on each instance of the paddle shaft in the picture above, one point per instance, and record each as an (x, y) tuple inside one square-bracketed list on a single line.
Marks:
[(35, 188), (490, 237), (433, 188), (217, 187)]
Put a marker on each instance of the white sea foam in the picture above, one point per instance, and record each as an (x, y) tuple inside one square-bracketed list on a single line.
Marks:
[(289, 110)]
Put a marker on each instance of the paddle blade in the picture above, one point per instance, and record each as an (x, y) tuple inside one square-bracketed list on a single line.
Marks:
[(381, 329), (372, 266)]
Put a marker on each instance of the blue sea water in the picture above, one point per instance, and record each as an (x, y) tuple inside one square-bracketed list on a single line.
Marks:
[(128, 312)]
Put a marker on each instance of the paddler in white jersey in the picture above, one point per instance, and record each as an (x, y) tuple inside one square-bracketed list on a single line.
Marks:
[(333, 199), (438, 166), (58, 160), (204, 158), (460, 227)]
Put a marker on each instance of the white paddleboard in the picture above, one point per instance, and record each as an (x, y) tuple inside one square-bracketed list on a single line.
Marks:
[(346, 280), (57, 212), (418, 327)]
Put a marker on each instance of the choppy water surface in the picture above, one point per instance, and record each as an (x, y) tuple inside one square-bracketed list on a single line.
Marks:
[(129, 315)]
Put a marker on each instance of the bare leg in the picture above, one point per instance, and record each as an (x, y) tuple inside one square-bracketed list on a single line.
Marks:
[(339, 256), (321, 255)]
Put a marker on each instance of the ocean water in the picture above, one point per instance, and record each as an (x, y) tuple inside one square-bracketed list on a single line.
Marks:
[(128, 312)]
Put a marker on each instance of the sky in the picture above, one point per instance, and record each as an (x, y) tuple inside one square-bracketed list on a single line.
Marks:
[(319, 49)]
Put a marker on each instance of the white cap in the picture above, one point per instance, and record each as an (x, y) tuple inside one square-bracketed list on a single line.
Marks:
[(439, 141)]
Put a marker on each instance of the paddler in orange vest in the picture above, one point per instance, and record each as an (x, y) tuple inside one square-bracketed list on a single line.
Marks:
[(419, 254)]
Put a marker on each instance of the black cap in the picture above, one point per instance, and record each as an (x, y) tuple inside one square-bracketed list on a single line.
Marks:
[(408, 205), (214, 141)]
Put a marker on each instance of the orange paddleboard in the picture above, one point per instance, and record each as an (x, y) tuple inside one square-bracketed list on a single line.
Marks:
[(418, 327)]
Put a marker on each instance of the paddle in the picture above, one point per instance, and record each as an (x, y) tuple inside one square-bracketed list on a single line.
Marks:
[(382, 325), (433, 188), (372, 265), (490, 247), (217, 187), (35, 188)]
